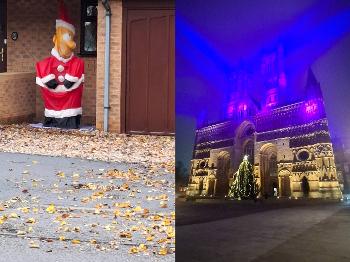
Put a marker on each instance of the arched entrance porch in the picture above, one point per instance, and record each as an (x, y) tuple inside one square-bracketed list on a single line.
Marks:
[(268, 170), (222, 173)]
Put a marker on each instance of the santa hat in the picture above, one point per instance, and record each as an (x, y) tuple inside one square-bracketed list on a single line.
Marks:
[(63, 20)]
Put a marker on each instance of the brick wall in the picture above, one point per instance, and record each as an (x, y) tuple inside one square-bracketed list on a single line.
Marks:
[(34, 21), (17, 97), (115, 66)]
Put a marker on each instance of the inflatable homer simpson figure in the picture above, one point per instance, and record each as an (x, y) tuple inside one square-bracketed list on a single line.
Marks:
[(61, 77)]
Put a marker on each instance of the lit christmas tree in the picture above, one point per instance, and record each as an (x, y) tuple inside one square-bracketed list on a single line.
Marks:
[(244, 185)]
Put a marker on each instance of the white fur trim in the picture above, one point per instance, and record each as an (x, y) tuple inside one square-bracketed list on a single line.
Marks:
[(48, 78), (59, 58), (60, 68), (63, 113), (60, 88), (61, 78), (61, 23), (71, 78), (39, 82)]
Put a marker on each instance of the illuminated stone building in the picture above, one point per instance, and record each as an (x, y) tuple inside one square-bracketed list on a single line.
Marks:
[(288, 143)]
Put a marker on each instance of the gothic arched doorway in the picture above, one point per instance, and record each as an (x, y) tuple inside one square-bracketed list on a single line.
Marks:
[(285, 189), (268, 170), (223, 168), (211, 185)]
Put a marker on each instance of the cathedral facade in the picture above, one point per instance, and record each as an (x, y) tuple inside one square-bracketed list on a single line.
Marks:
[(288, 143)]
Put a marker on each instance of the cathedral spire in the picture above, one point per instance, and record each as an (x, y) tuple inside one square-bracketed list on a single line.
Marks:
[(313, 88)]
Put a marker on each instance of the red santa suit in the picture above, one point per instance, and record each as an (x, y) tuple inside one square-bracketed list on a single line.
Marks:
[(61, 81)]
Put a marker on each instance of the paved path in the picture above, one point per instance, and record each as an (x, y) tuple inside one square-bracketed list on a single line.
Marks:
[(85, 198), (310, 232)]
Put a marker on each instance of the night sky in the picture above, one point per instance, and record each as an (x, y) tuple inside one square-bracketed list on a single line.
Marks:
[(214, 38)]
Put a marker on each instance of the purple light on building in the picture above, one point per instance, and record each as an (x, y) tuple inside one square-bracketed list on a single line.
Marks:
[(230, 110), (311, 107), (242, 107)]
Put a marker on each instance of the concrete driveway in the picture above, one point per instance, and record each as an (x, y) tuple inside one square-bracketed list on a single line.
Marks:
[(69, 209)]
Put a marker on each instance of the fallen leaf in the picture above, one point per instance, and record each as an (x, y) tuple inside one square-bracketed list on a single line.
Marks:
[(163, 204), (31, 220), (125, 235), (13, 215), (61, 174), (133, 250), (163, 251), (51, 209), (75, 241), (61, 238), (33, 244), (142, 247)]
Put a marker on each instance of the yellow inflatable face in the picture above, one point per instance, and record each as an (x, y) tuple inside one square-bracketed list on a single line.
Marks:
[(64, 43)]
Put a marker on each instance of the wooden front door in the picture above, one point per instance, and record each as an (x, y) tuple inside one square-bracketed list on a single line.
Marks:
[(150, 71), (3, 33)]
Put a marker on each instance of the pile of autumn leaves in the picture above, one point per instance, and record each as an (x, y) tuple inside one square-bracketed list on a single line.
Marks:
[(95, 145)]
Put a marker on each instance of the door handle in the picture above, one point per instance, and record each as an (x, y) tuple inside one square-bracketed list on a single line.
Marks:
[(2, 54)]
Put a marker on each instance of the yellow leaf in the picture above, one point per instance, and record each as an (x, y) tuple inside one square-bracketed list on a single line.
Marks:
[(85, 199), (170, 232), (149, 238), (163, 204), (133, 250), (138, 209), (51, 209), (2, 208), (93, 241), (13, 215), (156, 218), (25, 209), (123, 205), (31, 220), (142, 247), (125, 234), (61, 174), (163, 251), (75, 241), (116, 213), (33, 244), (134, 228), (62, 238), (124, 187), (166, 222)]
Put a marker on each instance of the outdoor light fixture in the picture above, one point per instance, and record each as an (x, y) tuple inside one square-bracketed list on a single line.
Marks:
[(14, 36)]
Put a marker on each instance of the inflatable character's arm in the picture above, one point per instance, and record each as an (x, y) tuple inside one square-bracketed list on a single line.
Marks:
[(44, 77), (75, 74)]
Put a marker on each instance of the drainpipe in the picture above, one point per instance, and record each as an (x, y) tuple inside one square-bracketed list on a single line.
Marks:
[(106, 106)]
